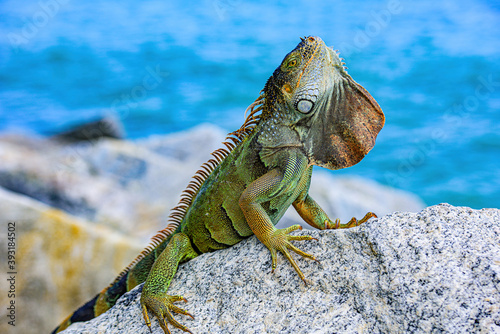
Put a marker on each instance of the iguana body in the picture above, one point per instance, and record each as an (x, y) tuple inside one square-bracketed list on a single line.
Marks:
[(310, 112)]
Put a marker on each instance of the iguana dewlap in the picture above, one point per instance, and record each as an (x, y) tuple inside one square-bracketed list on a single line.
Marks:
[(310, 112)]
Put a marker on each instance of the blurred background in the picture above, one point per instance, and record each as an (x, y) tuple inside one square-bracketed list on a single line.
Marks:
[(165, 69), (165, 66)]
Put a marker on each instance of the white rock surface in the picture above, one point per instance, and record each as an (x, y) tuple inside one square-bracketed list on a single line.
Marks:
[(436, 271)]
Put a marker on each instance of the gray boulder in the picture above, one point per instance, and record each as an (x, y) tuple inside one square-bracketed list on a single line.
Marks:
[(429, 272)]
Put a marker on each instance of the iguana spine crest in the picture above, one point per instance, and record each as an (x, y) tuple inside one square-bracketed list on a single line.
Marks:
[(310, 112), (232, 140)]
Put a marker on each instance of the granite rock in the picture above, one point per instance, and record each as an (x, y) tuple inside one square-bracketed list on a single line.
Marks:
[(437, 270)]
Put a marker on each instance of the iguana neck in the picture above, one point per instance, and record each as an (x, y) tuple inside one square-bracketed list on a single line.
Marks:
[(276, 131)]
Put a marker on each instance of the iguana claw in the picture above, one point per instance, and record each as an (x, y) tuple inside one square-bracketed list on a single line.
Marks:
[(162, 308), (351, 223), (280, 239)]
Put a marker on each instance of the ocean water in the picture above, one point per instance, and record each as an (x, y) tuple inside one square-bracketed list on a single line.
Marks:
[(165, 66)]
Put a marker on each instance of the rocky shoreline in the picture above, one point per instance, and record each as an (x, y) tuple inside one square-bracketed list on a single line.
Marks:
[(85, 209)]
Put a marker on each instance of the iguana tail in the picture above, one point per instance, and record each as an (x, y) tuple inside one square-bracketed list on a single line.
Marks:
[(85, 312), (133, 275)]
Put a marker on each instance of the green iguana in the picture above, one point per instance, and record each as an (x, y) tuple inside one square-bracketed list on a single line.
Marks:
[(310, 112)]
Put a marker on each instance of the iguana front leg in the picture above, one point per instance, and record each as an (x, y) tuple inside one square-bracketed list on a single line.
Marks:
[(267, 187), (154, 297), (315, 216)]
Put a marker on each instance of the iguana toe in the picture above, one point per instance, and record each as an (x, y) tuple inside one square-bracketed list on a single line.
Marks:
[(280, 239), (351, 223), (163, 307)]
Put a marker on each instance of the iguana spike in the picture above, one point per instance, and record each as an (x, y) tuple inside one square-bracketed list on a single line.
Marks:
[(178, 212), (193, 183), (229, 146), (196, 182), (175, 214), (233, 139), (198, 178), (212, 163), (189, 190), (219, 156), (202, 173)]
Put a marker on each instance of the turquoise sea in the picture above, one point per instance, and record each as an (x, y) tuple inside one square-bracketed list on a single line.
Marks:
[(165, 66)]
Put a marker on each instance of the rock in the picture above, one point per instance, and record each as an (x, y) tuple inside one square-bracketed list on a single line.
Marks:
[(60, 260), (433, 271), (124, 185), (91, 131), (191, 147)]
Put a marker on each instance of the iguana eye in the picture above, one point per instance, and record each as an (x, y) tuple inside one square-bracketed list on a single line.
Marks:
[(292, 63)]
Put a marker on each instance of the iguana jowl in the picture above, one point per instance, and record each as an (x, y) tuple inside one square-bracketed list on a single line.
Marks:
[(310, 112)]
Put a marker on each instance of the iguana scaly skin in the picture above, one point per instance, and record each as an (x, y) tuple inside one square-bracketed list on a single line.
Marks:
[(310, 112)]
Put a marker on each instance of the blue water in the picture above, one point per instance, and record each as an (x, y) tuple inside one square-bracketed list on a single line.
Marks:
[(164, 66)]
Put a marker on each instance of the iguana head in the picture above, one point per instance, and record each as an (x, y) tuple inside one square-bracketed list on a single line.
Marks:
[(336, 119)]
